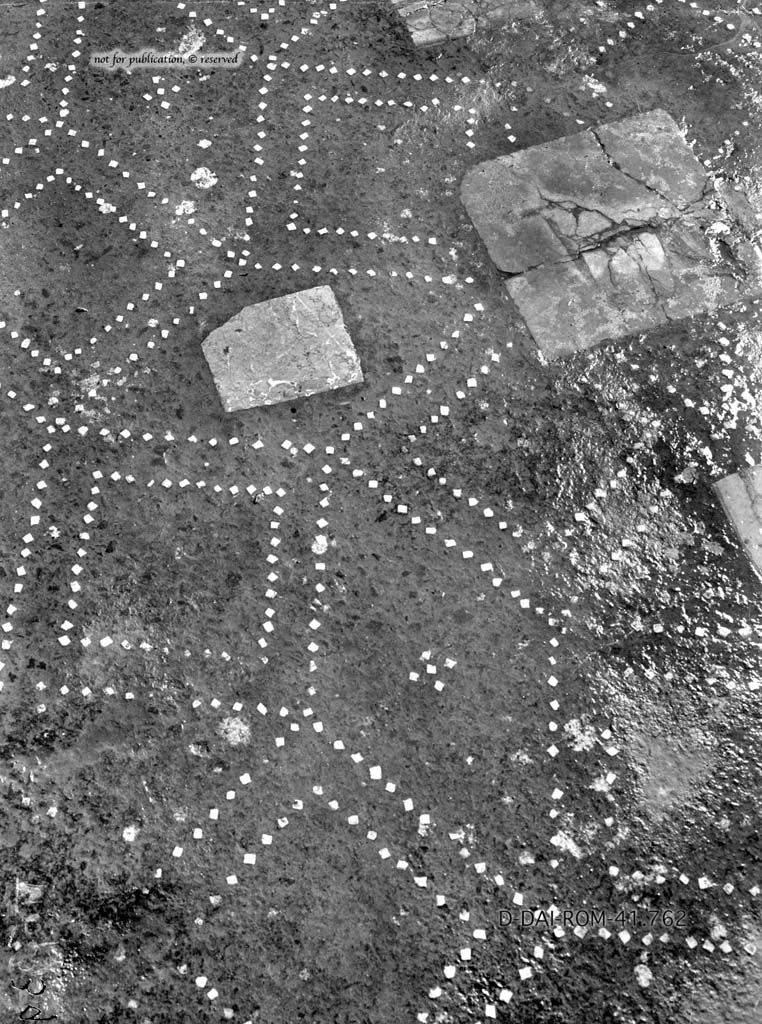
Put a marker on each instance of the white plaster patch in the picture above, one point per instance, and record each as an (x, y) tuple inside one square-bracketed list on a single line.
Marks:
[(235, 731), (582, 737), (185, 208), (320, 544), (643, 975), (596, 87), (202, 177), (28, 893), (563, 841), (521, 757), (600, 785), (192, 41)]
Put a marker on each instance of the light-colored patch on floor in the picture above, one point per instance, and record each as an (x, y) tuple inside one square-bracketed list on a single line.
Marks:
[(203, 178), (521, 757), (91, 405), (191, 42), (235, 730), (581, 735), (671, 769), (643, 975), (564, 842)]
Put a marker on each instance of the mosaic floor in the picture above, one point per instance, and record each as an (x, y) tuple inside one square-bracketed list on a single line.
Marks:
[(435, 698)]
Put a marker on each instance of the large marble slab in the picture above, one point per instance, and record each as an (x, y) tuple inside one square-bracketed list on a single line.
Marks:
[(609, 232), (286, 348)]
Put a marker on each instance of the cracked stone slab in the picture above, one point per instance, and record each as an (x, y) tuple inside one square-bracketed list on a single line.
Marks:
[(431, 22), (585, 187), (632, 284), (603, 233), (741, 497), (286, 348)]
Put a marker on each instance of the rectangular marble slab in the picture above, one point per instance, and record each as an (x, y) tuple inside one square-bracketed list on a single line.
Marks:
[(286, 348)]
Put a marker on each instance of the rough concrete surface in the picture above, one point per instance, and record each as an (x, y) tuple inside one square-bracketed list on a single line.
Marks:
[(296, 700), (290, 347)]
